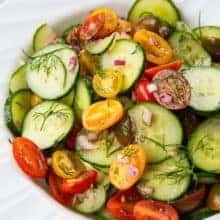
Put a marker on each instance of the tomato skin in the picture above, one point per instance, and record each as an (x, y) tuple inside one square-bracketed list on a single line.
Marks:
[(54, 187), (191, 201), (29, 157), (149, 209), (141, 92), (213, 201), (80, 184), (71, 139), (122, 203), (91, 26), (151, 72)]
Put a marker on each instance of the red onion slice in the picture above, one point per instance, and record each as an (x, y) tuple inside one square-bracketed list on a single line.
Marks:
[(119, 62)]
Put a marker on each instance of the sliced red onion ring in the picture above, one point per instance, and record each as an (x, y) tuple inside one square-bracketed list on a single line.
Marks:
[(72, 63), (166, 98), (132, 170), (93, 136), (119, 62), (83, 143)]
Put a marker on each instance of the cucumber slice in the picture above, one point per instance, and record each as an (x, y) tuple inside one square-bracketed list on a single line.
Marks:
[(16, 107), (17, 80), (43, 36), (52, 71), (92, 200), (100, 46), (50, 49), (163, 9), (207, 178), (189, 50), (204, 145), (103, 150), (205, 89), (166, 181), (161, 138), (83, 97), (134, 57), (48, 123), (207, 32), (200, 214), (69, 98), (104, 215)]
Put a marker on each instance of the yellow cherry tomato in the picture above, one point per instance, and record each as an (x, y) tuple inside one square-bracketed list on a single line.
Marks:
[(102, 115), (66, 164), (157, 49), (88, 63), (128, 166), (35, 100), (108, 84), (124, 26), (110, 24)]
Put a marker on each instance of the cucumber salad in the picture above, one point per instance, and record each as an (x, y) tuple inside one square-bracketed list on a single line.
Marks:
[(120, 117)]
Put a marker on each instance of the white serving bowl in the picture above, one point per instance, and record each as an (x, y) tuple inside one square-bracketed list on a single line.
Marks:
[(20, 197)]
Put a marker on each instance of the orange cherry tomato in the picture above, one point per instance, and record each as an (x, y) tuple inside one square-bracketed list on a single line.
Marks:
[(102, 115), (108, 84), (127, 166), (155, 210), (157, 49), (110, 22), (29, 157)]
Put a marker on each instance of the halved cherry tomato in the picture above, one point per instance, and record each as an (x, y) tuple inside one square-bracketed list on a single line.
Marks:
[(80, 184), (88, 63), (213, 201), (124, 26), (71, 139), (127, 166), (29, 157), (110, 22), (54, 187), (91, 26), (108, 84), (157, 49), (149, 209), (142, 92), (66, 164), (172, 89), (122, 203), (102, 115), (191, 201), (151, 72)]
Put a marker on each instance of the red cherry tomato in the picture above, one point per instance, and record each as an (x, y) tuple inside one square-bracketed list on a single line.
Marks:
[(148, 209), (152, 71), (59, 195), (91, 26), (71, 139), (141, 91), (80, 184), (29, 157), (121, 205)]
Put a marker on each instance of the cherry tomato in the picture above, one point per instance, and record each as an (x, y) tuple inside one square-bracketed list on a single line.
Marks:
[(191, 201), (91, 26), (54, 187), (88, 63), (124, 26), (110, 22), (151, 72), (66, 164), (141, 91), (71, 139), (213, 201), (122, 203), (108, 84), (127, 166), (157, 49), (148, 209), (172, 89), (102, 115), (80, 184), (29, 157)]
